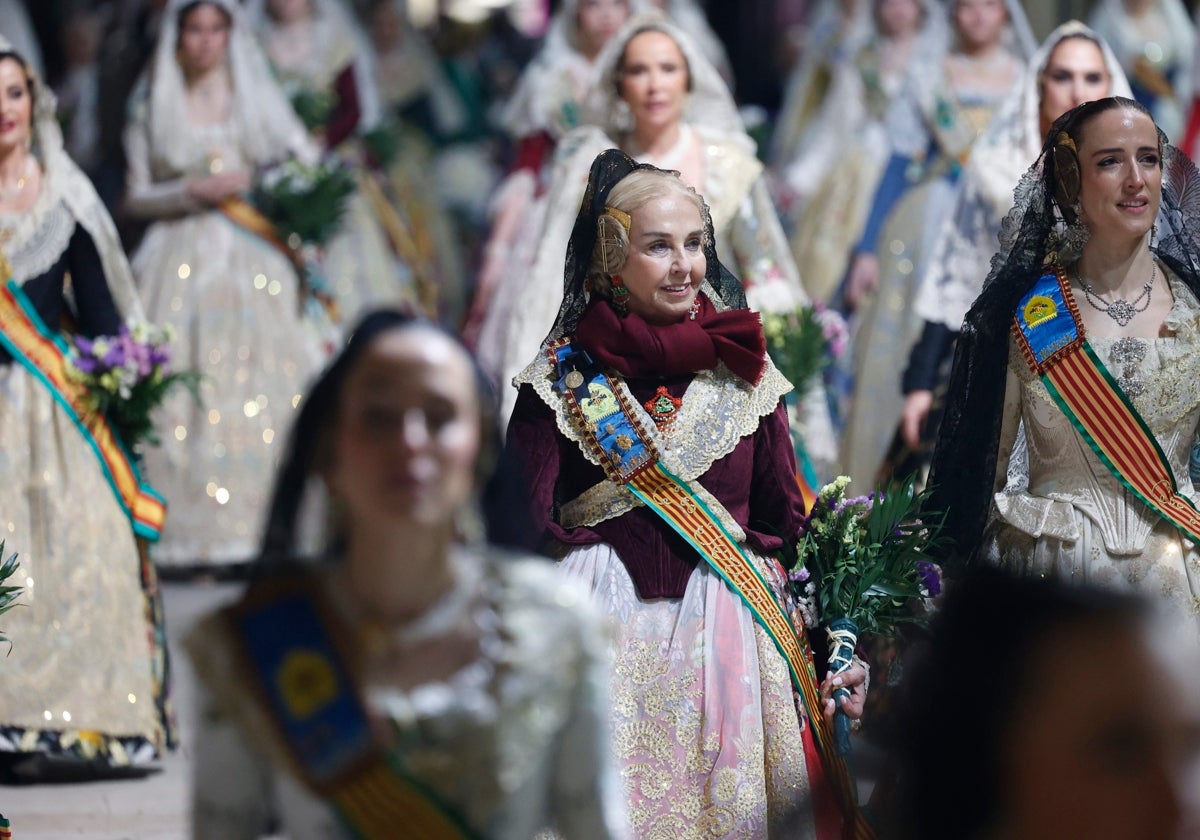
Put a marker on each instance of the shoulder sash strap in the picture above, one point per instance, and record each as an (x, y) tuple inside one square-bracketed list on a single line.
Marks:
[(1053, 341), (250, 219), (290, 645), (617, 436), (42, 352)]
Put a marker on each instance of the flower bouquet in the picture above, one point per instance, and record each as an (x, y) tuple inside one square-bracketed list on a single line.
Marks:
[(862, 560), (804, 341), (127, 376), (305, 202), (8, 592), (313, 107)]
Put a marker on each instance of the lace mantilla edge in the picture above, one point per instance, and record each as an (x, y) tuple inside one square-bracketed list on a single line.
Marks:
[(719, 409)]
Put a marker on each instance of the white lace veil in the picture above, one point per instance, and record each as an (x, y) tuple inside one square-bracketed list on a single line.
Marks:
[(270, 128), (926, 79), (418, 71), (532, 106), (710, 105), (688, 16), (1111, 20), (340, 21), (66, 181), (1007, 147)]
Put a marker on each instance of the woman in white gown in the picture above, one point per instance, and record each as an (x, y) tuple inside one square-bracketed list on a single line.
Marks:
[(476, 687), (547, 103), (838, 29), (659, 100), (321, 55), (204, 118), (834, 173), (948, 101), (1154, 40), (1073, 65), (1087, 334), (85, 672)]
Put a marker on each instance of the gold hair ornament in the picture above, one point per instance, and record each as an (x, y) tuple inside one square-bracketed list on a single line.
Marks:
[(621, 216), (1066, 175)]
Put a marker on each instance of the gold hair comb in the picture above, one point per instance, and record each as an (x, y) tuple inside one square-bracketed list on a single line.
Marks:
[(621, 216)]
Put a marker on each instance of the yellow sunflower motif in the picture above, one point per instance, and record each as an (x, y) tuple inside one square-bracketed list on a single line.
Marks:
[(307, 683)]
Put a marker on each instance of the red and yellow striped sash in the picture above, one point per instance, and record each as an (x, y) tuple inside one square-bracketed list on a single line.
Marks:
[(43, 353), (249, 218), (614, 433), (1053, 341)]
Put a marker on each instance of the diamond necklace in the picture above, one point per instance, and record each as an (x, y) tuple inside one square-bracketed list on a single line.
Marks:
[(1121, 310)]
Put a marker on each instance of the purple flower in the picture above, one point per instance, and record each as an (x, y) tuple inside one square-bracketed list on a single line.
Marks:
[(799, 575), (84, 364), (931, 577), (84, 345), (118, 351)]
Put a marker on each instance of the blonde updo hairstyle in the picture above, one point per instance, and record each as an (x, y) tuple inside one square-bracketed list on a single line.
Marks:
[(627, 197)]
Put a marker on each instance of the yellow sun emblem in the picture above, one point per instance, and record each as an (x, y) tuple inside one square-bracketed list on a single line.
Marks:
[(1039, 310), (307, 683)]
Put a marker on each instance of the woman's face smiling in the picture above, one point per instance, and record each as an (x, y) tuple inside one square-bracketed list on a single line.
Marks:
[(16, 106), (666, 262), (1120, 171)]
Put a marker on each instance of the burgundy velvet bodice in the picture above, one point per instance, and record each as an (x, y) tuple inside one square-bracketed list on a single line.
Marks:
[(756, 483)]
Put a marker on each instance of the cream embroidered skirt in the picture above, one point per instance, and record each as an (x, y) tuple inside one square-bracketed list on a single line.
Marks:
[(705, 729)]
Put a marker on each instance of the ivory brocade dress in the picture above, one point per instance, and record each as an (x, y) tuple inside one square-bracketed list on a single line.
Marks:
[(85, 671), (235, 304), (1075, 519), (512, 743)]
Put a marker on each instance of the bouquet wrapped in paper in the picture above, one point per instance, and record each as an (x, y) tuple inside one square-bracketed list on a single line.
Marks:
[(862, 567), (304, 201), (127, 376)]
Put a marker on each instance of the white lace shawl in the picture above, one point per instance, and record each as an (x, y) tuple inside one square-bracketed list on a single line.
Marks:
[(41, 234)]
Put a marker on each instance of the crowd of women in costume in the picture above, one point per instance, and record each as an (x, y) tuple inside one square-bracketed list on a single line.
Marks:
[(1008, 229)]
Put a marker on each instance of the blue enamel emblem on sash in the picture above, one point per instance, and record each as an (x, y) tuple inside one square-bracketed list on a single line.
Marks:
[(306, 684), (1045, 320)]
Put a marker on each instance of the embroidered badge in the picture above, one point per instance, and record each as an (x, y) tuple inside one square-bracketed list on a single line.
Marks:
[(1039, 310), (663, 407)]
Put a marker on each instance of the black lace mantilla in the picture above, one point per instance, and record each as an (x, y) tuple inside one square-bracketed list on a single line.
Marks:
[(964, 463), (608, 169)]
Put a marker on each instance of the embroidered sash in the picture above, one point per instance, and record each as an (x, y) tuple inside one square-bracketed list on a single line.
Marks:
[(1052, 339), (42, 352), (250, 219), (289, 643), (618, 438)]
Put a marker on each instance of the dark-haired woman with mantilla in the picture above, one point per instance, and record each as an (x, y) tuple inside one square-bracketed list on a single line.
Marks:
[(1088, 333), (651, 430)]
